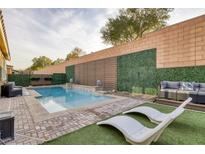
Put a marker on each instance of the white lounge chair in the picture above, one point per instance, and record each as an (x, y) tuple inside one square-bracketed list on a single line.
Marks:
[(136, 133), (153, 114)]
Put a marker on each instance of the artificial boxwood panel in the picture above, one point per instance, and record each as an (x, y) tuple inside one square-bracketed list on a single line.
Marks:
[(70, 73), (137, 70), (58, 78), (189, 74), (20, 79)]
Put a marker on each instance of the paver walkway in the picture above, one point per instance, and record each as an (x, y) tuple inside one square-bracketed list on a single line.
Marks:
[(28, 131)]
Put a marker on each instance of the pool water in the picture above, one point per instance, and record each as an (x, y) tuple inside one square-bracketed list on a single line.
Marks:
[(55, 99)]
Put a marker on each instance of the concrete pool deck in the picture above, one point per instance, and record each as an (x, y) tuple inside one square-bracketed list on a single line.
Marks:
[(34, 125)]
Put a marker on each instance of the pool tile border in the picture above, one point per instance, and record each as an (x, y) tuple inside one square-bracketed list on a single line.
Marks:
[(39, 113)]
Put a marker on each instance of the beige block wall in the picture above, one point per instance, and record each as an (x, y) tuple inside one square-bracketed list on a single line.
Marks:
[(104, 70), (179, 45)]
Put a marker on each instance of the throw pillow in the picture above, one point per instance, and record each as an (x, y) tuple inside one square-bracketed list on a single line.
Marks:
[(187, 86)]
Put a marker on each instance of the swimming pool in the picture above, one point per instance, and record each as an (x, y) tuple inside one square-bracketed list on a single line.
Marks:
[(55, 99)]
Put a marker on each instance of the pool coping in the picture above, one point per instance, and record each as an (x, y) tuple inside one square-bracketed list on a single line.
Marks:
[(39, 113)]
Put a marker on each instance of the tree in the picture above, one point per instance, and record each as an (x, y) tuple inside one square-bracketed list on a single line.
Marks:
[(40, 62), (43, 61), (132, 23), (57, 61), (75, 53)]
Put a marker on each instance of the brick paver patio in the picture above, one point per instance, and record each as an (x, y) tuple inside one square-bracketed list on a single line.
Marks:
[(30, 131)]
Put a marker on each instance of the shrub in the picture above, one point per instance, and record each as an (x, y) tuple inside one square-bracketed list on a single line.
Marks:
[(137, 90), (151, 91)]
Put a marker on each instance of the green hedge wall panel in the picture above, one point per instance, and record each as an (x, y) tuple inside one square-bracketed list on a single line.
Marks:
[(137, 70), (58, 78), (189, 74), (20, 79), (70, 73)]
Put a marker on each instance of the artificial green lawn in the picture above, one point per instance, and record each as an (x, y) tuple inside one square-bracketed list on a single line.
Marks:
[(189, 128)]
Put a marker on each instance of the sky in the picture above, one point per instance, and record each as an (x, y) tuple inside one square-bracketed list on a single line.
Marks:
[(55, 32)]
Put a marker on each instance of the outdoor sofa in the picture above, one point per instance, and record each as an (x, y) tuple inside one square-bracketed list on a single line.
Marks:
[(10, 90), (180, 91)]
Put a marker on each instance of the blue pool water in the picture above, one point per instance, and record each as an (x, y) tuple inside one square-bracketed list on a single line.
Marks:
[(56, 99)]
